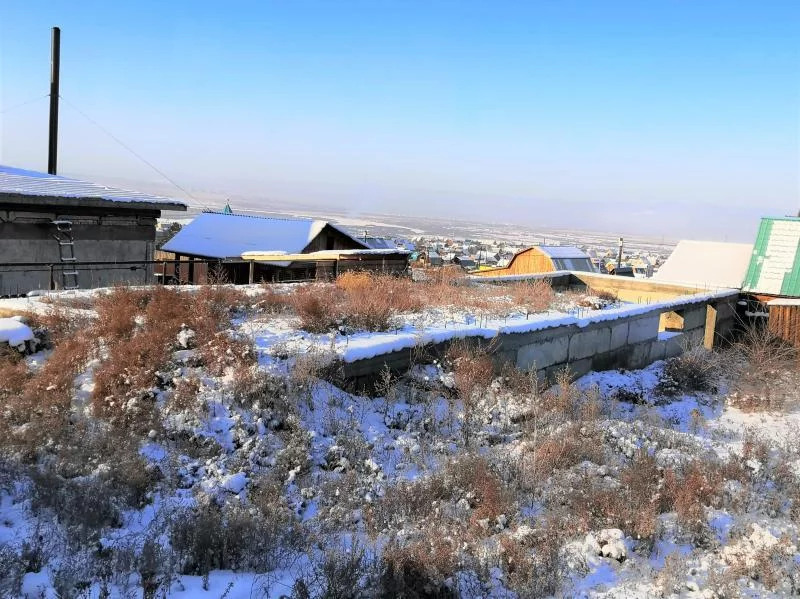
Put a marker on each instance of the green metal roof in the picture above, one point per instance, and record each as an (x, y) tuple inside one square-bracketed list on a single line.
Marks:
[(775, 265)]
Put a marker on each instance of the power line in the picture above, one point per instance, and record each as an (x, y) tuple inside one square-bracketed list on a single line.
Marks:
[(129, 149), (21, 104)]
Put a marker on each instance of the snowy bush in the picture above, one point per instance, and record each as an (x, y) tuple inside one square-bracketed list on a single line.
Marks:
[(694, 370)]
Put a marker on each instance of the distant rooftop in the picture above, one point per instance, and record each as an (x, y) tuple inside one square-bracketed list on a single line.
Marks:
[(36, 188), (706, 264)]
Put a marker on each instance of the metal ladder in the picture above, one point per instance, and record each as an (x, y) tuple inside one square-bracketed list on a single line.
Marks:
[(66, 252)]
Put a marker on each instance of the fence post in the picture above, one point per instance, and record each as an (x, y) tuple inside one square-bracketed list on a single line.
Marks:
[(251, 272)]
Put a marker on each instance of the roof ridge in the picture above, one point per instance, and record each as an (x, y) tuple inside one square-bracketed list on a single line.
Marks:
[(258, 216)]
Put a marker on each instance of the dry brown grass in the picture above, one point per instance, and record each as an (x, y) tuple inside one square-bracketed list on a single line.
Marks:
[(369, 301), (417, 501), (473, 371), (689, 491), (444, 538), (764, 371), (36, 406)]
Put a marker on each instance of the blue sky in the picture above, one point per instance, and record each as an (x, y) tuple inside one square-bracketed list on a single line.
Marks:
[(679, 119)]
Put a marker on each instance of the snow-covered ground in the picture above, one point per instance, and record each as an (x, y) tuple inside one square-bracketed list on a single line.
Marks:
[(337, 460)]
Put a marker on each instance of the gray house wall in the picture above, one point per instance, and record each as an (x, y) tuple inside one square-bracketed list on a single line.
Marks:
[(100, 235)]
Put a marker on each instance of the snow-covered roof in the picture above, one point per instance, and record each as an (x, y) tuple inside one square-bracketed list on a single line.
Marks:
[(562, 251), (774, 267), (706, 264), (218, 235), (37, 187)]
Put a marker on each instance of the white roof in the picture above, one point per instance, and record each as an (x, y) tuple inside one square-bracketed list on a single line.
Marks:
[(562, 251), (218, 235), (706, 264), (33, 184)]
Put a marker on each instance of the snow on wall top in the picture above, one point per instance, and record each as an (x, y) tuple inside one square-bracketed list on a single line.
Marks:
[(16, 181), (775, 262), (706, 264), (362, 346), (562, 251), (218, 235)]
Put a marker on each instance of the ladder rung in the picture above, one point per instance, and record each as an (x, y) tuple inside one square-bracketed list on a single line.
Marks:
[(66, 243), (67, 259), (70, 273), (62, 222)]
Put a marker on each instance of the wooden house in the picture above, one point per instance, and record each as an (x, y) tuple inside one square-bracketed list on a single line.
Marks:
[(541, 259), (225, 238)]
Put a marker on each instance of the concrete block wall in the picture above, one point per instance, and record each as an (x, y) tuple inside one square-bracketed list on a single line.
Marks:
[(629, 342)]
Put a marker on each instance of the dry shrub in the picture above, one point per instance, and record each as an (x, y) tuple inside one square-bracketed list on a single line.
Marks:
[(697, 369), (532, 563), (117, 310), (184, 396), (416, 501), (472, 368), (358, 301), (126, 378), (608, 296), (317, 307), (763, 370), (420, 569), (123, 384), (690, 491), (355, 281), (634, 507), (85, 507), (271, 301), (534, 296), (472, 373), (40, 412), (232, 536), (557, 451), (56, 323), (255, 389)]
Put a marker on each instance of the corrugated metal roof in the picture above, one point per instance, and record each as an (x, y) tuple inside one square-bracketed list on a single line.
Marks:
[(706, 264), (378, 243), (775, 263), (218, 235), (20, 182)]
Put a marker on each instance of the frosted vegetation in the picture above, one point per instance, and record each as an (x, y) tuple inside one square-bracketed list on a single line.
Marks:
[(156, 443)]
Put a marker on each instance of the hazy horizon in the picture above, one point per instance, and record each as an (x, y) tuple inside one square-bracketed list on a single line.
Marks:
[(673, 120)]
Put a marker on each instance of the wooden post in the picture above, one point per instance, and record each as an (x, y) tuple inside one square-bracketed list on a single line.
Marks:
[(711, 324), (252, 272)]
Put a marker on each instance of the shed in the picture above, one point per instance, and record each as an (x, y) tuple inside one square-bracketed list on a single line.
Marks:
[(784, 319), (57, 232), (225, 237), (774, 268), (706, 264), (542, 258)]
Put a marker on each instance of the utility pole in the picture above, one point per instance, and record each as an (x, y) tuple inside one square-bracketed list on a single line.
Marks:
[(619, 255), (55, 68)]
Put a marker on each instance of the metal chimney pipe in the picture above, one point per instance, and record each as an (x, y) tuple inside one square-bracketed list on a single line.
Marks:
[(55, 68), (619, 254)]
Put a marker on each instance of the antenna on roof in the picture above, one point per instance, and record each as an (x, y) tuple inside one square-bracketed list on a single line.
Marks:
[(55, 68)]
